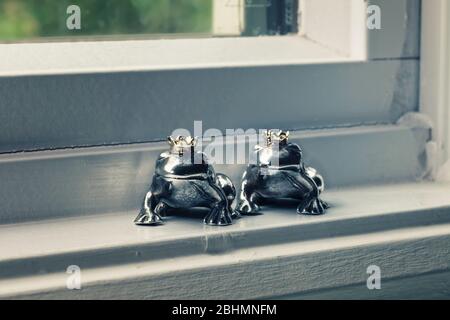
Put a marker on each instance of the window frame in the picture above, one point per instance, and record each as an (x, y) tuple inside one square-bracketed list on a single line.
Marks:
[(435, 82), (307, 47), (160, 55), (382, 50)]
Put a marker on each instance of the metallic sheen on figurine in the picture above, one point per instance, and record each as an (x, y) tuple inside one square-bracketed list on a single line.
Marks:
[(280, 173), (184, 179)]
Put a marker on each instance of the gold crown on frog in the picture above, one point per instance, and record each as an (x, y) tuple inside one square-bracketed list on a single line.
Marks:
[(276, 136), (182, 141)]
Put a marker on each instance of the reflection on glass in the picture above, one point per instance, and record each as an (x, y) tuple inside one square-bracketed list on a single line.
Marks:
[(24, 20)]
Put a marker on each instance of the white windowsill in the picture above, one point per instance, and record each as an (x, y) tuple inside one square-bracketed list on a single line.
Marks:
[(403, 228), (151, 55)]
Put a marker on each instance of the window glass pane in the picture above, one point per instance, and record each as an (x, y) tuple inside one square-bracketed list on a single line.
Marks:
[(24, 20)]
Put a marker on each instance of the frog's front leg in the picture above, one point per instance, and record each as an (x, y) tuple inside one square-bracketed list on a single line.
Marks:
[(221, 212), (219, 215), (151, 210)]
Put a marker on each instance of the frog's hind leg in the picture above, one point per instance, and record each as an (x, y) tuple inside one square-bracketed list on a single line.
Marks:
[(248, 203), (310, 203), (248, 198), (151, 211), (225, 183)]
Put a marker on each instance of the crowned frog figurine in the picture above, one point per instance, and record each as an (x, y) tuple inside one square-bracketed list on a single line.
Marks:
[(280, 173), (183, 179)]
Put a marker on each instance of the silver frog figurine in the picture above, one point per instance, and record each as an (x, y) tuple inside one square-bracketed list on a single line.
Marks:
[(280, 173), (183, 179)]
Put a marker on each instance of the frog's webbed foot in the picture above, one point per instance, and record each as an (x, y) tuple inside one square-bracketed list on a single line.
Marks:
[(325, 204), (235, 214), (247, 206), (150, 212), (147, 218), (315, 207), (219, 215)]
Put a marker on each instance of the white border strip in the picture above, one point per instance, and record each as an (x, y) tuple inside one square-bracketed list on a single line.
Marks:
[(435, 78), (154, 55)]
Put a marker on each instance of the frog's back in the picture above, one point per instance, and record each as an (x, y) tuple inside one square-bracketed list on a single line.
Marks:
[(283, 156), (183, 166), (283, 184)]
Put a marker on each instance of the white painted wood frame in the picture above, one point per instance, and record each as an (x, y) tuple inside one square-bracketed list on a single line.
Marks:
[(100, 111), (435, 80)]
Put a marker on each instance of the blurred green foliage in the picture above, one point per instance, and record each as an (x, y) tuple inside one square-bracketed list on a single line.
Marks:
[(28, 19)]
